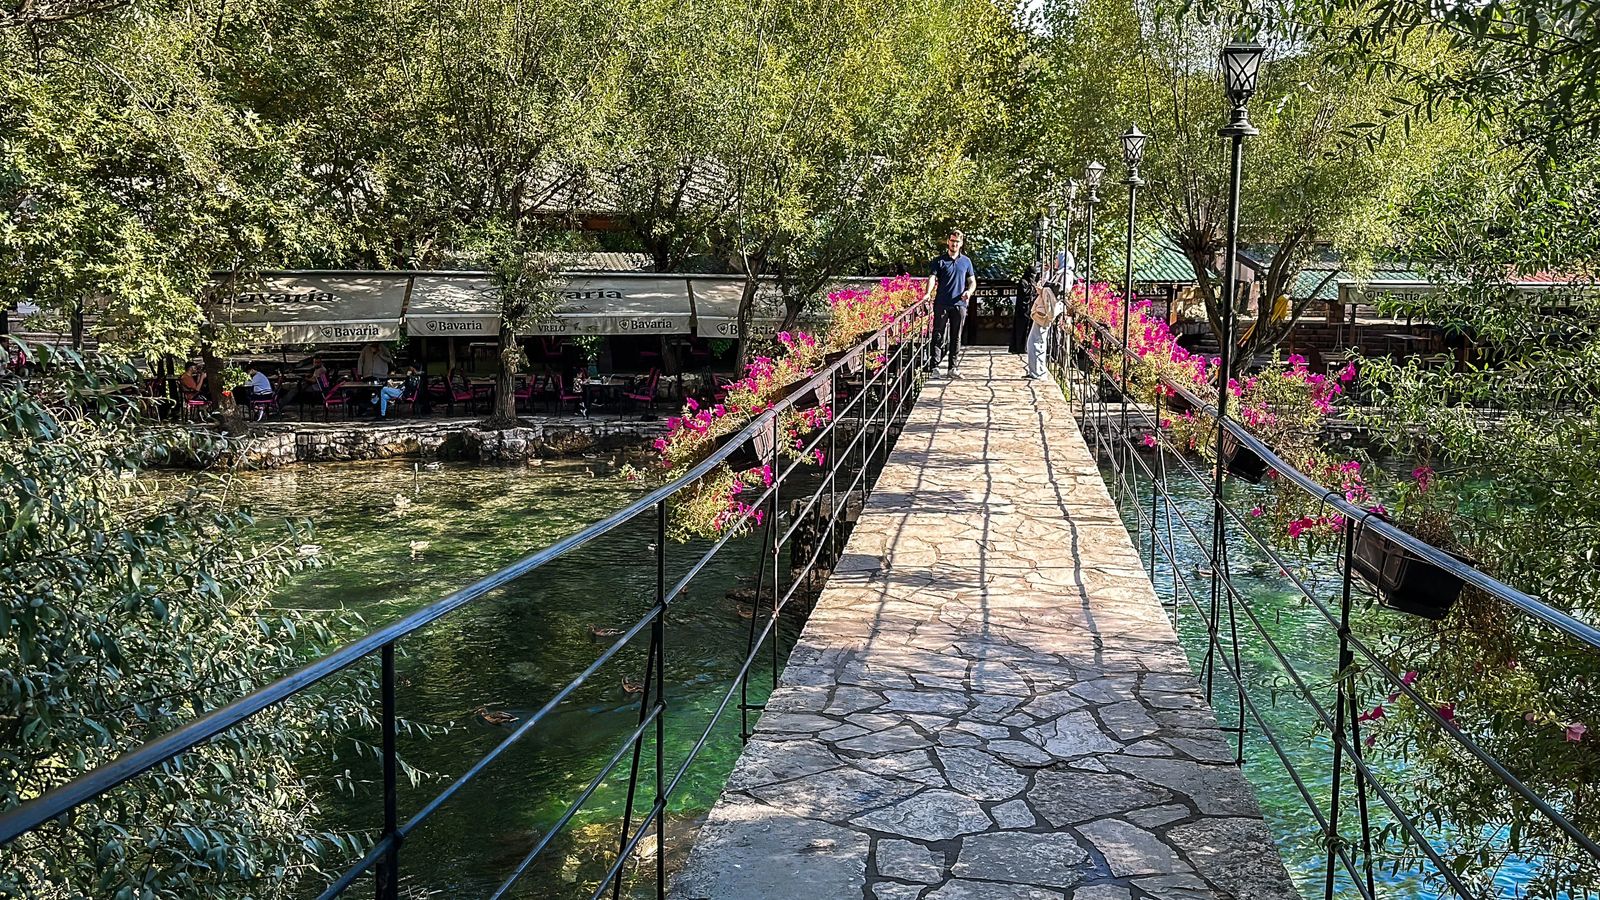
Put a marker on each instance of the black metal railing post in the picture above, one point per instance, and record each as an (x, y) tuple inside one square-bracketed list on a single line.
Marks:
[(777, 545), (658, 637), (388, 870), (1342, 692), (1155, 482)]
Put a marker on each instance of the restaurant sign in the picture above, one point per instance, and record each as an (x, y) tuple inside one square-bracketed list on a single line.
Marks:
[(316, 308), (619, 305)]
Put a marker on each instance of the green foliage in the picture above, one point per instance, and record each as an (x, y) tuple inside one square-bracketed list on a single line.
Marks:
[(1305, 186), (125, 612)]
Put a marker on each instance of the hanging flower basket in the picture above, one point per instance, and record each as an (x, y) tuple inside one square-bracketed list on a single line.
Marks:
[(1242, 461), (1404, 581)]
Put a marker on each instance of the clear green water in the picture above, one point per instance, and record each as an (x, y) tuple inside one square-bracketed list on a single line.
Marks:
[(515, 649), (397, 541), (1309, 641)]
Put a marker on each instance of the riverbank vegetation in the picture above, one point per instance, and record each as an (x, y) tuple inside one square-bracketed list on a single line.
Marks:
[(126, 612)]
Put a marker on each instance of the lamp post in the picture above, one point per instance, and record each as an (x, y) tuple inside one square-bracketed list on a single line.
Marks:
[(1091, 180), (1241, 68), (1132, 153), (1069, 263)]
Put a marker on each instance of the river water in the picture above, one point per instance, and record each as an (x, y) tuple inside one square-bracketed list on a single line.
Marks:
[(1286, 623), (398, 538)]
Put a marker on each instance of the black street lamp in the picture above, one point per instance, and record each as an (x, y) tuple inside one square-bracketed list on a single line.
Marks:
[(1069, 263), (1241, 70), (1091, 180), (1132, 153)]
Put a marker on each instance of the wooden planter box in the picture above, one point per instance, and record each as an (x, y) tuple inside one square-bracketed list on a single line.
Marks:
[(809, 400), (852, 360), (1176, 404), (1405, 582), (751, 454), (1242, 461)]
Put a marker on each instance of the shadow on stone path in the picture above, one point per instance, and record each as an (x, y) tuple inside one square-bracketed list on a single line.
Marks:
[(988, 702)]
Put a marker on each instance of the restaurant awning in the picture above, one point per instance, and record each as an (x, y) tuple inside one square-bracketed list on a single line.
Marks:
[(603, 304), (453, 306), (716, 306), (328, 308)]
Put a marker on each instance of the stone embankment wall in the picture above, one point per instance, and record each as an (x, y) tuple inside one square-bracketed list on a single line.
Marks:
[(283, 444)]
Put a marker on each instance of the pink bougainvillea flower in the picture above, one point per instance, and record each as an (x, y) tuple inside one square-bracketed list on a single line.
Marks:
[(1576, 731), (1149, 440), (1372, 715), (1447, 712), (1256, 512), (1423, 476)]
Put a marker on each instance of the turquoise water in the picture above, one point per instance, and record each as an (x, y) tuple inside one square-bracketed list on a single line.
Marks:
[(1309, 641), (398, 539)]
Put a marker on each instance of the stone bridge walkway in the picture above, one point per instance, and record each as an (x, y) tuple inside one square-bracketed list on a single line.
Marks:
[(988, 702)]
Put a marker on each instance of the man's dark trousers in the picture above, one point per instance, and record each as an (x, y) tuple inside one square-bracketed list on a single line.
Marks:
[(952, 316)]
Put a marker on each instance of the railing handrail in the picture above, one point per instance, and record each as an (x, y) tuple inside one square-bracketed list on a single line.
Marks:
[(62, 799), (1367, 519)]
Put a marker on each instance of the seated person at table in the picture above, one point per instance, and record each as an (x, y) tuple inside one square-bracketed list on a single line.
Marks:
[(193, 381), (259, 387), (316, 381), (391, 391), (459, 381)]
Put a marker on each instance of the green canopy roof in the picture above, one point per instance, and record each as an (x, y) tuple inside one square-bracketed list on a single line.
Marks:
[(1156, 260), (1316, 285)]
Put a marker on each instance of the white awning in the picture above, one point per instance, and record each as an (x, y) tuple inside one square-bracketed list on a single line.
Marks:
[(323, 309), (620, 305), (453, 306), (716, 306)]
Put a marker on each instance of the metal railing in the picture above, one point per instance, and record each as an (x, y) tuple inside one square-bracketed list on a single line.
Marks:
[(885, 383), (1111, 424)]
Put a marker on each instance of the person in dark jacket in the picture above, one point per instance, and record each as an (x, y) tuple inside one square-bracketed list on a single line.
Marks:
[(1020, 322)]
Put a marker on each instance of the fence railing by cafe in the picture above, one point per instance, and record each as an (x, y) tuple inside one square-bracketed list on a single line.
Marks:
[(871, 388), (1115, 424)]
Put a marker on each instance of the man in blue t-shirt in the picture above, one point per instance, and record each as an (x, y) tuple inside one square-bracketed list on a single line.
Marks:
[(951, 282)]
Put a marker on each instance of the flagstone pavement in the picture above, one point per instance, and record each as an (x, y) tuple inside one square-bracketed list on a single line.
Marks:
[(988, 702)]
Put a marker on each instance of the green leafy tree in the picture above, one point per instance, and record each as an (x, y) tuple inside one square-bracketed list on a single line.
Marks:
[(126, 611), (1306, 183)]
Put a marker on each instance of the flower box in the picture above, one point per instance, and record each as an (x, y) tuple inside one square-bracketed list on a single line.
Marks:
[(820, 396), (852, 360), (1404, 581), (1242, 461), (751, 454)]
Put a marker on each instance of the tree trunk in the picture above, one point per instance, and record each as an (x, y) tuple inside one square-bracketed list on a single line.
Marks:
[(505, 400), (747, 300)]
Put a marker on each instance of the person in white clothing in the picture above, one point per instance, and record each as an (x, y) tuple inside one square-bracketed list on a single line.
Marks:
[(1046, 307), (373, 361)]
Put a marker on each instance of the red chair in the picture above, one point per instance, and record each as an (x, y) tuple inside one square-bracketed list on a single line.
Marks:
[(338, 395), (263, 405), (648, 394), (560, 395), (452, 395), (527, 390), (196, 406)]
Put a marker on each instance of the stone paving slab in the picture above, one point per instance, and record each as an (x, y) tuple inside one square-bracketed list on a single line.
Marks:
[(988, 702)]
